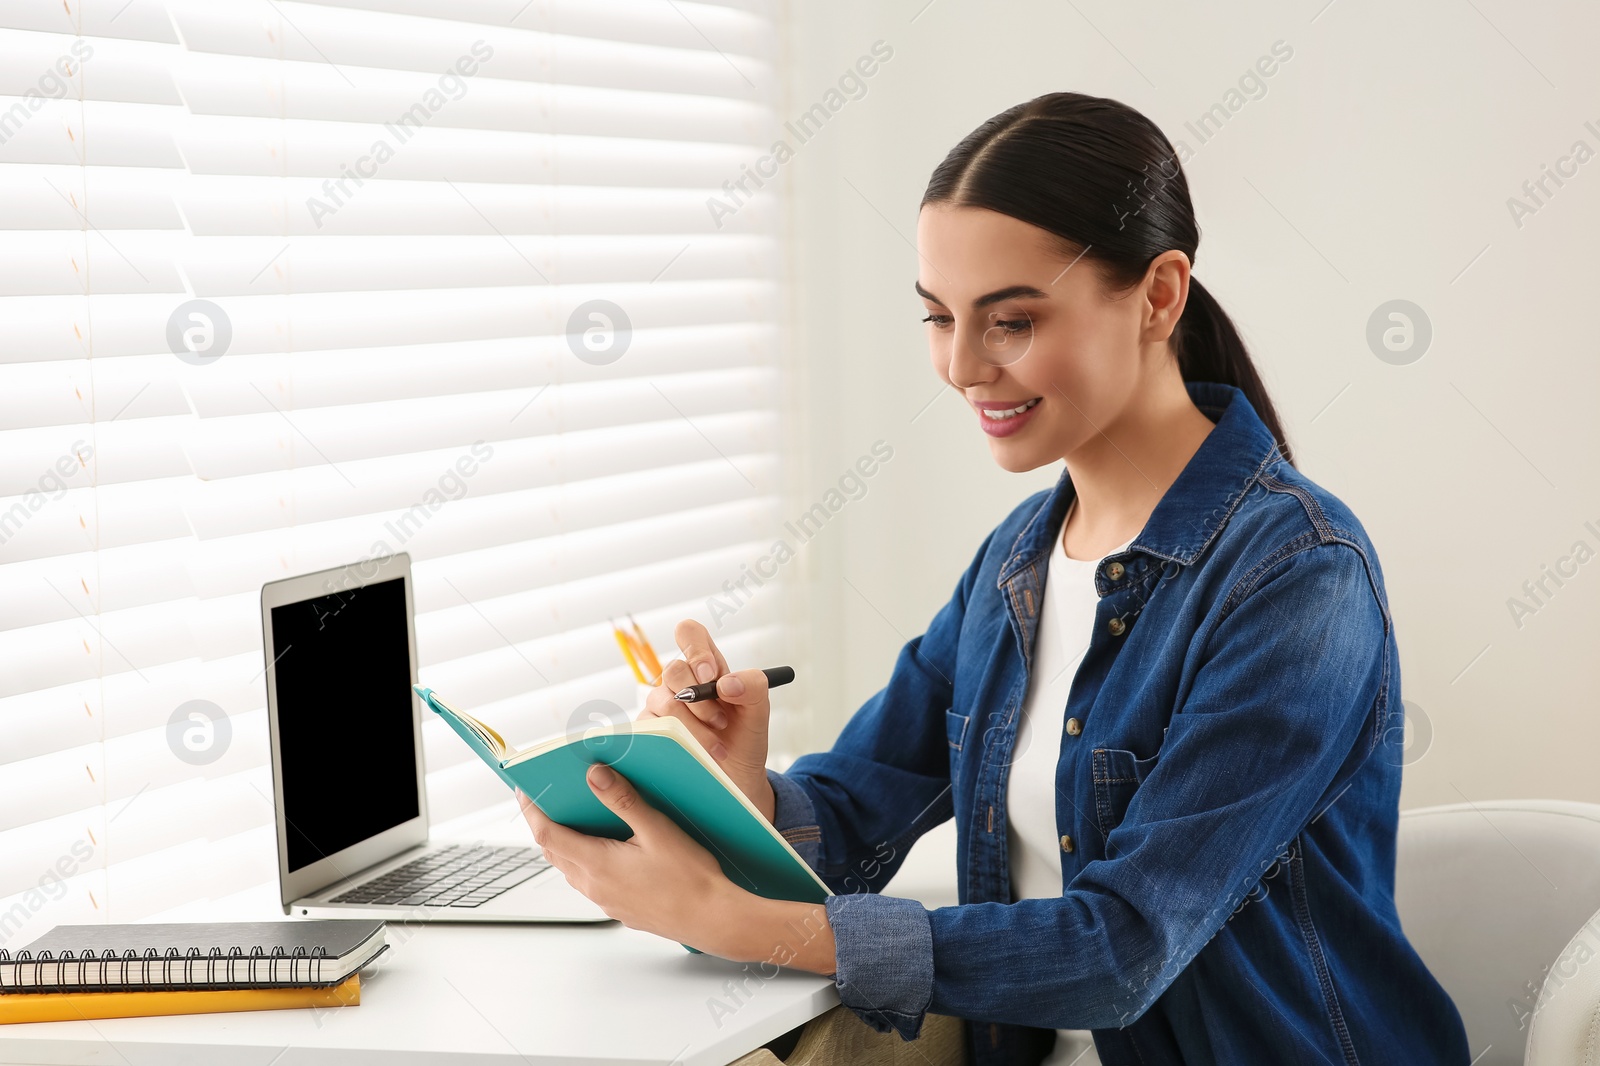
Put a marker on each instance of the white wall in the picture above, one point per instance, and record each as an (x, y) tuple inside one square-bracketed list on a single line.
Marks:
[(1377, 166)]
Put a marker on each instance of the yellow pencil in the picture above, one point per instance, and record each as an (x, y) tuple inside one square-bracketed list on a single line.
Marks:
[(627, 653), (652, 665)]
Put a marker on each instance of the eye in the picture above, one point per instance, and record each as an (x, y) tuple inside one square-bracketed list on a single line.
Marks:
[(939, 321), (1014, 325)]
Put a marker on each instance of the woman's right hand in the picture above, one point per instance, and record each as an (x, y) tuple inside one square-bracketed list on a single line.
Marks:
[(732, 727)]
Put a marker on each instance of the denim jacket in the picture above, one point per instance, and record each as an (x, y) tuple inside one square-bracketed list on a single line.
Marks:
[(1227, 810)]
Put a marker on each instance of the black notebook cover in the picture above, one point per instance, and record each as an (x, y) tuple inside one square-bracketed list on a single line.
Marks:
[(192, 955)]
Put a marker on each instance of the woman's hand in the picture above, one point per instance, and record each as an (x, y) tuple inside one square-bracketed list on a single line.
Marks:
[(732, 727), (661, 881)]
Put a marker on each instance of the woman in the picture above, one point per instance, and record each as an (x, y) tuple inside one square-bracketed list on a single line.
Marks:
[(1160, 705)]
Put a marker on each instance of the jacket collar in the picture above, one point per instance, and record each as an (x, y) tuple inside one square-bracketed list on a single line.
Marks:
[(1197, 505)]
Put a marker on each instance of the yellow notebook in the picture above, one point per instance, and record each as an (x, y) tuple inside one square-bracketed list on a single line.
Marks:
[(79, 1006)]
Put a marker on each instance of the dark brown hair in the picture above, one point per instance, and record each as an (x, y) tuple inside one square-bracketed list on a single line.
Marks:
[(1106, 181)]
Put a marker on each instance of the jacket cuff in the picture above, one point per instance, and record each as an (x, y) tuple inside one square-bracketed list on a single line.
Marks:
[(883, 958), (795, 818)]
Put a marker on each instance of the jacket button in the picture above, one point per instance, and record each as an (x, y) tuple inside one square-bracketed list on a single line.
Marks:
[(1117, 627), (1114, 571), (1074, 727), (1066, 843)]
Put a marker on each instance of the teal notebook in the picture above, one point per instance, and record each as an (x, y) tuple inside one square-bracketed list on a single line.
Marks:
[(673, 773)]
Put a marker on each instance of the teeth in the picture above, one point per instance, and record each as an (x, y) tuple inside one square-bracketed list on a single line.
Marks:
[(1000, 416)]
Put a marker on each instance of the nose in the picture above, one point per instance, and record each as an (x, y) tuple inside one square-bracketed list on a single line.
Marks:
[(968, 368)]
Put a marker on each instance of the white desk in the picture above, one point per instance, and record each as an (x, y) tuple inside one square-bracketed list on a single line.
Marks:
[(490, 994)]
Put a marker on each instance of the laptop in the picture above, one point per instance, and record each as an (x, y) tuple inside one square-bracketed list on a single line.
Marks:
[(353, 841)]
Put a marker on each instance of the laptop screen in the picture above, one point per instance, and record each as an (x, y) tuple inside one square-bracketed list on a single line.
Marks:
[(345, 720)]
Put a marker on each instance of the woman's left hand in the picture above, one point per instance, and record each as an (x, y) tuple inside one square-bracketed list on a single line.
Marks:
[(659, 880)]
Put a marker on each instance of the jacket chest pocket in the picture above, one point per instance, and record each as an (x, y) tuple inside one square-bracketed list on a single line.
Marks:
[(955, 728), (1117, 774)]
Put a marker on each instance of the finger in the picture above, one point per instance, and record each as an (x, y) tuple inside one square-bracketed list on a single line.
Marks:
[(678, 676), (699, 650), (661, 704), (684, 712), (619, 795), (537, 819), (742, 688), (552, 836)]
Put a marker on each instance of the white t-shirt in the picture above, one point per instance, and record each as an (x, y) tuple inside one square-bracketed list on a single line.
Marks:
[(1033, 841)]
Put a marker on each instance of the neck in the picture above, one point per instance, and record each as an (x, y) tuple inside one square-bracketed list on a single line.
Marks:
[(1122, 471)]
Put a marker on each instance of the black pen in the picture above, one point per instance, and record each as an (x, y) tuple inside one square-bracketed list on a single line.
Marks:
[(776, 675)]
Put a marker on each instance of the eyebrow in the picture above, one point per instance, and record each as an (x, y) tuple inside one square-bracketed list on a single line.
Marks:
[(1010, 292)]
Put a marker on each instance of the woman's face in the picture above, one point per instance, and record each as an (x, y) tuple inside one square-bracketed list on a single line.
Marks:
[(1015, 324)]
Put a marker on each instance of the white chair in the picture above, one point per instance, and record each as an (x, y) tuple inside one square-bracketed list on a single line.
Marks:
[(1566, 1027), (1500, 898)]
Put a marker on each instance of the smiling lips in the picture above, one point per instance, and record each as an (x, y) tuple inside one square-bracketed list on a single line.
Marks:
[(1001, 418)]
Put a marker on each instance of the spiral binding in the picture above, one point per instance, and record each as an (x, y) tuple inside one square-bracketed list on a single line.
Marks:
[(155, 971)]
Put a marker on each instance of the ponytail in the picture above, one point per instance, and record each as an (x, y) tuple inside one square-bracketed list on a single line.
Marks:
[(1210, 349)]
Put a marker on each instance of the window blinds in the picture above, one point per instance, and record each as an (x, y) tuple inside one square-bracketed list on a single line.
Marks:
[(287, 284)]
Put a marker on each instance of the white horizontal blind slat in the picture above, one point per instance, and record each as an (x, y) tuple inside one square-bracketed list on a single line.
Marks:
[(397, 210)]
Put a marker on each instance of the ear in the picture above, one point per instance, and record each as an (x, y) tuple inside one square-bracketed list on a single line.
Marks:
[(1166, 287)]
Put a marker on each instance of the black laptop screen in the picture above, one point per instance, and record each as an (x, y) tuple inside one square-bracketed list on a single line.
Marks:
[(345, 730)]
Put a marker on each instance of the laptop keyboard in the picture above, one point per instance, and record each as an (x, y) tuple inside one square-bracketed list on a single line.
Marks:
[(456, 876)]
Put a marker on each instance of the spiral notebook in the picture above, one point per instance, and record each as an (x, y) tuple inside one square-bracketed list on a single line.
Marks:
[(212, 955)]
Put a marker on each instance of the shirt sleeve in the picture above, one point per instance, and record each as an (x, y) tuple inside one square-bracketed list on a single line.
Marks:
[(794, 818), (886, 780), (854, 811), (1301, 662)]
